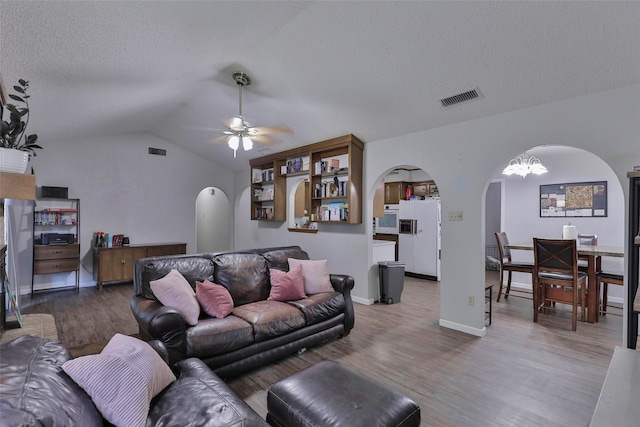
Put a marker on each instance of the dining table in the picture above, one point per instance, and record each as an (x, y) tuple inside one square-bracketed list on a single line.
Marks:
[(591, 254)]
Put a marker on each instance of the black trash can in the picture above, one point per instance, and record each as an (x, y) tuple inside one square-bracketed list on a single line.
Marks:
[(391, 281)]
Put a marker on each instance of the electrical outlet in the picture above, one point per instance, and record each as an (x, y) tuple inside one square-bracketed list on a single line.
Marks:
[(471, 300), (455, 215)]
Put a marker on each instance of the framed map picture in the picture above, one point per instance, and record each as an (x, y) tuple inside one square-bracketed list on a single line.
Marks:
[(578, 199)]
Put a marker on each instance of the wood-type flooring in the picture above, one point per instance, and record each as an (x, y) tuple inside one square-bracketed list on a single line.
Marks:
[(520, 374)]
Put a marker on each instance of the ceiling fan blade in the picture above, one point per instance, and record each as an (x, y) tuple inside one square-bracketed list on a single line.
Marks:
[(270, 130), (263, 140), (221, 138), (205, 128)]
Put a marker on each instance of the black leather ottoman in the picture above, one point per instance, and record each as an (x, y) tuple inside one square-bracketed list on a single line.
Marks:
[(329, 394)]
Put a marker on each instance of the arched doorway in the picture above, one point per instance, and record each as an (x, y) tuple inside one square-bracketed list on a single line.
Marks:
[(213, 225), (521, 216), (419, 248)]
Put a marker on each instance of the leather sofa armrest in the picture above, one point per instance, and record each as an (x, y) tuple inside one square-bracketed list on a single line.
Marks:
[(344, 283), (158, 322), (199, 396), (159, 347)]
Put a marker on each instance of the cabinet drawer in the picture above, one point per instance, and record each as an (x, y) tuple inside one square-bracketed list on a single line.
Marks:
[(55, 265), (41, 252)]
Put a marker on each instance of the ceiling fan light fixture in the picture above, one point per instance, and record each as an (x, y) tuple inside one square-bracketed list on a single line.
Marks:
[(234, 143), (236, 123), (247, 143)]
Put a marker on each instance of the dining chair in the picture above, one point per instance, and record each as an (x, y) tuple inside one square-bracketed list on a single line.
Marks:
[(557, 279), (507, 264), (604, 278)]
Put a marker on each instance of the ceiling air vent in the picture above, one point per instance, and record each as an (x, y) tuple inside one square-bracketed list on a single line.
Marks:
[(461, 98), (157, 151)]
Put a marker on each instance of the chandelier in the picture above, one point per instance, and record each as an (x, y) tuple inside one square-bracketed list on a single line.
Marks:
[(523, 165)]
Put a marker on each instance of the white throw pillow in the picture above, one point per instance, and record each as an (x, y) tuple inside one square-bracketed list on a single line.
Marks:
[(315, 273), (122, 379), (174, 291)]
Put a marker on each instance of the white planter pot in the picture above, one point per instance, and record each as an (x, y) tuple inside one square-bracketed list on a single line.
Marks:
[(13, 161)]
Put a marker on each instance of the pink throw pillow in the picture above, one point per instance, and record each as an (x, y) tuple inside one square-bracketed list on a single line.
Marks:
[(214, 299), (122, 379), (174, 291), (316, 275), (287, 286)]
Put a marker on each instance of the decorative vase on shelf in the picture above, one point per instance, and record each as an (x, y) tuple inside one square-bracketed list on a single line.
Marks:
[(13, 161)]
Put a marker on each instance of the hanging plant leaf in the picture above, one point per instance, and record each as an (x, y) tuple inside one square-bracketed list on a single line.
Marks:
[(13, 130)]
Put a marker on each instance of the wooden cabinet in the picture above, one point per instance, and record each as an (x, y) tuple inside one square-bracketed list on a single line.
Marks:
[(633, 254), (335, 181), (116, 264), (268, 190), (20, 187), (56, 217), (49, 259), (425, 189), (17, 186), (394, 192)]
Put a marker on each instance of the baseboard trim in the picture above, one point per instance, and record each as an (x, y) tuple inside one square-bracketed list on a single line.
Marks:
[(365, 301), (463, 328)]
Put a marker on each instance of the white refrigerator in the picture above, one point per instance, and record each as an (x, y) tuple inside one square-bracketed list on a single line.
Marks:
[(419, 244)]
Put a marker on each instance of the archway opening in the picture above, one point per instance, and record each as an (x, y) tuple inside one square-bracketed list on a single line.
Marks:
[(213, 221), (525, 208)]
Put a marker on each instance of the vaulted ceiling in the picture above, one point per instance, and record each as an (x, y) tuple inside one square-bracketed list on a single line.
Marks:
[(374, 69)]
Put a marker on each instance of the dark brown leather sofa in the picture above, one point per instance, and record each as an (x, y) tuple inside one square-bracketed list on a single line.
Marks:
[(233, 345), (35, 391)]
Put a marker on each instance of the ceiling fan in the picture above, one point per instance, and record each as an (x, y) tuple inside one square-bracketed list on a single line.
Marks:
[(238, 129)]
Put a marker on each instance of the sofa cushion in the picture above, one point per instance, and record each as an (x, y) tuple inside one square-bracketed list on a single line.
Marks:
[(316, 275), (279, 257), (192, 267), (122, 379), (218, 336), (174, 291), (319, 307), (270, 318), (286, 286), (245, 275), (214, 299), (35, 389)]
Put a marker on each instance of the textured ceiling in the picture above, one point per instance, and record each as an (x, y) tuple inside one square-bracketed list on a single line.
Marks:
[(374, 69)]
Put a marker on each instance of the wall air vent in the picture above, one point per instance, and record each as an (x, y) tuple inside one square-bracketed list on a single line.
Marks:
[(461, 98), (157, 151)]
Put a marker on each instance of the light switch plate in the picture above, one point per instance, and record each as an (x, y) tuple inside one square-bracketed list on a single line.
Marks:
[(455, 215)]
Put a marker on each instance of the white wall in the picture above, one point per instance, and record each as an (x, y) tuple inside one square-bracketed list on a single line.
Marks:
[(462, 158), (123, 189), (152, 198)]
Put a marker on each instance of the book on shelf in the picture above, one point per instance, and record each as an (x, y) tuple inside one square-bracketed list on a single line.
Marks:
[(320, 167), (262, 194), (297, 165), (262, 175), (61, 210), (334, 211)]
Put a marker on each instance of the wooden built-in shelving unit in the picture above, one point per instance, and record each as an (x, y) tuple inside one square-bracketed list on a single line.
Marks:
[(334, 169)]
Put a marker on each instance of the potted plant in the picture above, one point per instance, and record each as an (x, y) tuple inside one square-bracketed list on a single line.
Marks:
[(15, 145)]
